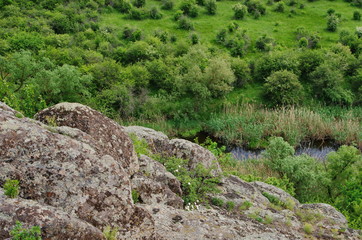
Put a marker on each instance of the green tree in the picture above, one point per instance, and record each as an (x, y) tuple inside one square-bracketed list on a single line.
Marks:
[(219, 77), (283, 88), (328, 83), (65, 83)]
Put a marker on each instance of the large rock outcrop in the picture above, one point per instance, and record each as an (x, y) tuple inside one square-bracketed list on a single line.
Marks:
[(181, 148), (55, 224), (81, 178), (77, 172), (109, 135)]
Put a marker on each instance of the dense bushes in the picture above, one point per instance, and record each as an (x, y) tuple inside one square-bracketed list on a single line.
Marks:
[(239, 11), (283, 88)]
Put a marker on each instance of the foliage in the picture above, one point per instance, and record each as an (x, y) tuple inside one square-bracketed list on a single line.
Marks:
[(240, 11), (245, 205), (139, 3), (135, 196), (332, 22), (11, 188), (196, 183), (155, 13), (110, 233), (185, 23), (20, 233), (280, 7), (265, 43), (211, 7), (276, 61), (167, 4), (230, 205), (217, 202), (356, 16), (273, 199), (308, 228), (283, 88), (328, 85)]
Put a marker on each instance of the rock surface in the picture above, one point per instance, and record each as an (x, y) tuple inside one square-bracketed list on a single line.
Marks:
[(279, 193), (71, 175), (236, 190), (110, 136), (55, 224), (179, 148), (158, 172), (331, 217)]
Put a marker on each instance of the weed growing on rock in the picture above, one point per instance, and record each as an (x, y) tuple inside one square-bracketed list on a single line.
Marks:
[(20, 233), (11, 188), (308, 228), (217, 202), (140, 145), (135, 196), (245, 206), (110, 233), (230, 205)]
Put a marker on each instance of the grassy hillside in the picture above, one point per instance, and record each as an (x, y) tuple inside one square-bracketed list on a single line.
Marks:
[(280, 26)]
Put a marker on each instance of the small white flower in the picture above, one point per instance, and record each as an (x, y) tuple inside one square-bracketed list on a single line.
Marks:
[(176, 170), (189, 183)]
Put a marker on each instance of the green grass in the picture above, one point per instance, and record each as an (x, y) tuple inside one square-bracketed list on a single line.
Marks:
[(312, 17)]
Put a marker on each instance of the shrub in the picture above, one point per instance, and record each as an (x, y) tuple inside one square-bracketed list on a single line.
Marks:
[(26, 41), (124, 6), (331, 11), (233, 26), (219, 77), (211, 7), (332, 23), (196, 183), (255, 7), (230, 205), (20, 233), (189, 8), (131, 34), (276, 151), (155, 13), (341, 166), (356, 16), (276, 61), (137, 14), (185, 23), (194, 38), (283, 88), (308, 228), (139, 3), (221, 36), (241, 71), (240, 11), (303, 42), (328, 85), (265, 43), (167, 4), (217, 202), (162, 35), (280, 7), (178, 15), (11, 188), (312, 38)]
